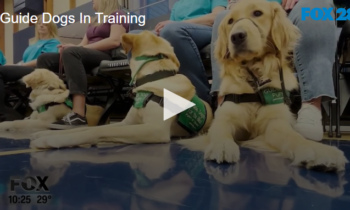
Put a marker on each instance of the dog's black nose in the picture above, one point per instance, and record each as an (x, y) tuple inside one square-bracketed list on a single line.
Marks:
[(238, 37)]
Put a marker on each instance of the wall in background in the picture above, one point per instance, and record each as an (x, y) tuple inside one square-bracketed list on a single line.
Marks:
[(17, 37), (59, 7), (9, 33)]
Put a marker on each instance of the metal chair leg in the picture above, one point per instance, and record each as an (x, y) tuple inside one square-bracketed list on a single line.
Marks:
[(330, 103), (112, 101), (337, 130), (330, 130)]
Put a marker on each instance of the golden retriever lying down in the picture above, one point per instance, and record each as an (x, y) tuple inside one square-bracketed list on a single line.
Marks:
[(253, 44), (49, 101), (154, 66)]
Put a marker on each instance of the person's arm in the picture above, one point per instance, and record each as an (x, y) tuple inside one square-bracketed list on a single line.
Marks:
[(111, 42), (230, 3), (2, 59), (31, 63), (50, 46), (84, 42), (208, 19), (172, 14)]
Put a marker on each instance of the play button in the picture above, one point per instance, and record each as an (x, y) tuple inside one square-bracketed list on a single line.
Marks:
[(174, 104)]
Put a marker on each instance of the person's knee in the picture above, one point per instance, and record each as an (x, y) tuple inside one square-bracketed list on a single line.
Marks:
[(173, 31), (43, 60), (309, 24), (219, 17), (71, 51)]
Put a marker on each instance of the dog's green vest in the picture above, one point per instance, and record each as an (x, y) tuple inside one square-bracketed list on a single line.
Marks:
[(45, 107), (192, 119), (273, 96)]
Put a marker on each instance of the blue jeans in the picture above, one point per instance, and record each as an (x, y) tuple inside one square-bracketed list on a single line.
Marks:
[(313, 57), (187, 39)]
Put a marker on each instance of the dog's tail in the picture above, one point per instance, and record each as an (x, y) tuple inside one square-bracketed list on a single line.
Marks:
[(198, 143)]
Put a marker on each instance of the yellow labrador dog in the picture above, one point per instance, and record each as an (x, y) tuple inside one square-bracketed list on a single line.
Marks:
[(154, 66), (49, 101), (254, 41)]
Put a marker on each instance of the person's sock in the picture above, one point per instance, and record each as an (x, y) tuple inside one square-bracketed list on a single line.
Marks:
[(309, 122)]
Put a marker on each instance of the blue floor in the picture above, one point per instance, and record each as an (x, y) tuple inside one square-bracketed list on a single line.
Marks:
[(167, 177)]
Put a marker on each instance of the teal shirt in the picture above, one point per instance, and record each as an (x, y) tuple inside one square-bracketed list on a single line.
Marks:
[(189, 9), (2, 59), (41, 46)]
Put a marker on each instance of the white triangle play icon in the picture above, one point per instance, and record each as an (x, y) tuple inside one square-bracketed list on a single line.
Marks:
[(174, 104)]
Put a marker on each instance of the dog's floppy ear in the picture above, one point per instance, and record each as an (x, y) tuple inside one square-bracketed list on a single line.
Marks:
[(283, 33), (60, 86), (30, 80), (166, 48), (63, 87), (221, 46), (127, 42)]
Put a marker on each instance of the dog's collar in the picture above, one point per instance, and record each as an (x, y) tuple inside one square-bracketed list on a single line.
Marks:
[(45, 107), (256, 83), (146, 59)]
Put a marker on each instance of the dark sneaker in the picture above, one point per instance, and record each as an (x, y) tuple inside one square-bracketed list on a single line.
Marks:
[(71, 120)]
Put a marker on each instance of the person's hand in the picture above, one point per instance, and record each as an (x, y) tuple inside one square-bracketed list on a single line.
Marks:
[(161, 25), (289, 4), (64, 46)]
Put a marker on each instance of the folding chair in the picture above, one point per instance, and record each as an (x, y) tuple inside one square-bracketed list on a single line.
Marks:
[(116, 72), (342, 61)]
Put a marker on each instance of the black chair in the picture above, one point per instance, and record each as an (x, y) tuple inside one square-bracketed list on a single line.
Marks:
[(116, 73)]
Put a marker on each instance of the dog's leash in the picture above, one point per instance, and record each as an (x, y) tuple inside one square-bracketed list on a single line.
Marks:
[(60, 65)]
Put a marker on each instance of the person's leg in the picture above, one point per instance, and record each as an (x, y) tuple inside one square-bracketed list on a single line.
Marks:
[(76, 61), (214, 65), (314, 58), (49, 61), (187, 39), (10, 74)]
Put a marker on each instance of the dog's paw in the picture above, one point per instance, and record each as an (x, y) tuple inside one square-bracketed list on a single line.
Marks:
[(34, 105), (318, 156), (62, 140), (46, 142), (40, 134), (222, 151)]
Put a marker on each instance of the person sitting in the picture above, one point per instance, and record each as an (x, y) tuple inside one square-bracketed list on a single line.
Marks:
[(46, 40), (189, 30), (2, 59), (99, 40), (313, 60)]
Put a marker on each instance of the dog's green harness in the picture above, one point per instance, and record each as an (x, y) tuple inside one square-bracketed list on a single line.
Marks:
[(264, 96), (192, 119), (45, 107)]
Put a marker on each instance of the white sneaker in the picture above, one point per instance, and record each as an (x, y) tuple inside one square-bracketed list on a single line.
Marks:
[(309, 122)]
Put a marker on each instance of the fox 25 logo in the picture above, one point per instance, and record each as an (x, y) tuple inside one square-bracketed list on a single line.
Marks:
[(324, 13)]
